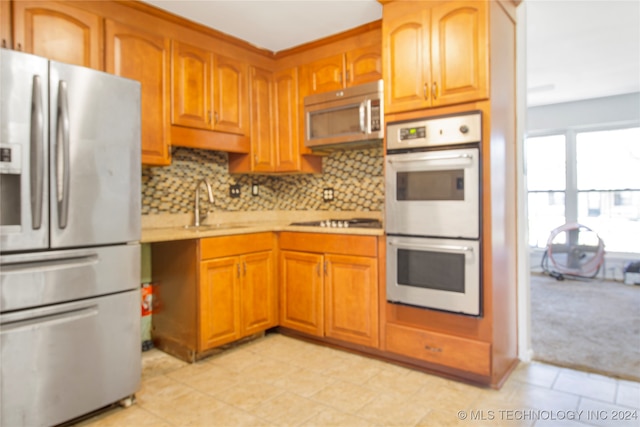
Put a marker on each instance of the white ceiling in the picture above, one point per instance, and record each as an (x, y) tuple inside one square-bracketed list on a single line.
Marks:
[(576, 49)]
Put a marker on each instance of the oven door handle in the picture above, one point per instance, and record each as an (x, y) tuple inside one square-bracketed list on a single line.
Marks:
[(440, 248), (428, 158)]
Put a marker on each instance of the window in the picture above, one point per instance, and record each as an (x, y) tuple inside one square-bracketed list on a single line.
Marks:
[(591, 178), (608, 184), (546, 180)]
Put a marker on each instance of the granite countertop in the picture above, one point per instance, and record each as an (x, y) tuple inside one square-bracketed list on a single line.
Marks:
[(167, 227)]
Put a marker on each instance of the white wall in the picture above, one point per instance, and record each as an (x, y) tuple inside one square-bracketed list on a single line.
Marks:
[(599, 112)]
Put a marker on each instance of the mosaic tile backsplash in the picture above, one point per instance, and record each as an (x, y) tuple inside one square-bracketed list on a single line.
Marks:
[(356, 177)]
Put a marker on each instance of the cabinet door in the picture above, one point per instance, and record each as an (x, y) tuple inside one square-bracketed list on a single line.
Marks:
[(364, 65), (285, 104), (219, 309), (301, 303), (459, 52), (258, 293), (406, 60), (325, 74), (191, 86), (351, 299), (262, 121), (58, 31), (231, 103), (143, 56)]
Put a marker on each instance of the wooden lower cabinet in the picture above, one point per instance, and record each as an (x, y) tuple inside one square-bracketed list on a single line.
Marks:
[(351, 299), (212, 291), (442, 349), (326, 294), (219, 294), (301, 302)]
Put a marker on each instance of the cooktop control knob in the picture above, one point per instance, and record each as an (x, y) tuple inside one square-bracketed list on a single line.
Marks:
[(464, 129)]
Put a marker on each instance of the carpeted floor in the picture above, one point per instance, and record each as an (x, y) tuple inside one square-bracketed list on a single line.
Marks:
[(587, 325)]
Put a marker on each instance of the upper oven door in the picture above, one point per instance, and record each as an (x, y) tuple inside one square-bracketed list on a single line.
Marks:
[(435, 193)]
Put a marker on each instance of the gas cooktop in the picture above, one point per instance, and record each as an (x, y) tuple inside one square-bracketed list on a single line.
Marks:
[(343, 223)]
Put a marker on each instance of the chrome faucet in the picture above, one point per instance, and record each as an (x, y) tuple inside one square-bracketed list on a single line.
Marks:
[(196, 209)]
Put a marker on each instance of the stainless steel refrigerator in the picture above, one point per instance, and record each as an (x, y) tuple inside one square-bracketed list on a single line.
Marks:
[(69, 240)]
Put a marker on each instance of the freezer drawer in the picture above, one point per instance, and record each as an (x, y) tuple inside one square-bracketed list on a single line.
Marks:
[(66, 360), (38, 279)]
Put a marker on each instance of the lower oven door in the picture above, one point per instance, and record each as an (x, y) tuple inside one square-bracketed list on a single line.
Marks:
[(441, 274), (433, 193)]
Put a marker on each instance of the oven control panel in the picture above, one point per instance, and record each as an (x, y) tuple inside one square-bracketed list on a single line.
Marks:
[(435, 131)]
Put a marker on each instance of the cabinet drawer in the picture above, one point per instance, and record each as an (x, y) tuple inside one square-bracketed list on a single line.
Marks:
[(454, 352), (340, 244), (216, 247)]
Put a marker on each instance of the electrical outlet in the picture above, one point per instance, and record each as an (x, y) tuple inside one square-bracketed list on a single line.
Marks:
[(234, 191), (327, 194), (255, 190)]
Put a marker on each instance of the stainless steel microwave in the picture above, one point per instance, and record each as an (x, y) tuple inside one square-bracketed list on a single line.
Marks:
[(345, 118)]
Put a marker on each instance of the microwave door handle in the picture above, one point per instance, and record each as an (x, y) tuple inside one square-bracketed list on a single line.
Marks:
[(363, 113), (441, 248), (62, 155), (431, 158), (37, 153)]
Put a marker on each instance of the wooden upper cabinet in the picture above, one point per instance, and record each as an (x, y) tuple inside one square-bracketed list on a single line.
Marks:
[(274, 112), (58, 31), (434, 55), (325, 75), (364, 65), (262, 121), (231, 104), (459, 52), (191, 86), (406, 40), (285, 107), (337, 72), (144, 56), (208, 91)]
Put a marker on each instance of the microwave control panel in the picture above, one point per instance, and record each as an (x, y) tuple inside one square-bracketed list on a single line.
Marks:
[(435, 131)]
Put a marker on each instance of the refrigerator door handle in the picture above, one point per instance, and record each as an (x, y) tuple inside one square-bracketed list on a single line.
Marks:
[(37, 153), (50, 264), (62, 155), (36, 319)]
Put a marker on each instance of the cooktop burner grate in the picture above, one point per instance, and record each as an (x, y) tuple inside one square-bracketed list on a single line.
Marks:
[(342, 223)]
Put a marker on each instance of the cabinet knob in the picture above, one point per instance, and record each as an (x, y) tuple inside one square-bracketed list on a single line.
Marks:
[(434, 91), (464, 129)]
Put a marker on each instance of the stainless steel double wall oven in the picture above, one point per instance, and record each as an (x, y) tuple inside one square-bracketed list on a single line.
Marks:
[(433, 205)]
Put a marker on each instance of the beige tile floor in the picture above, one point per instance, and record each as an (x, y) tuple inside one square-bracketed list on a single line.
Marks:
[(280, 381)]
